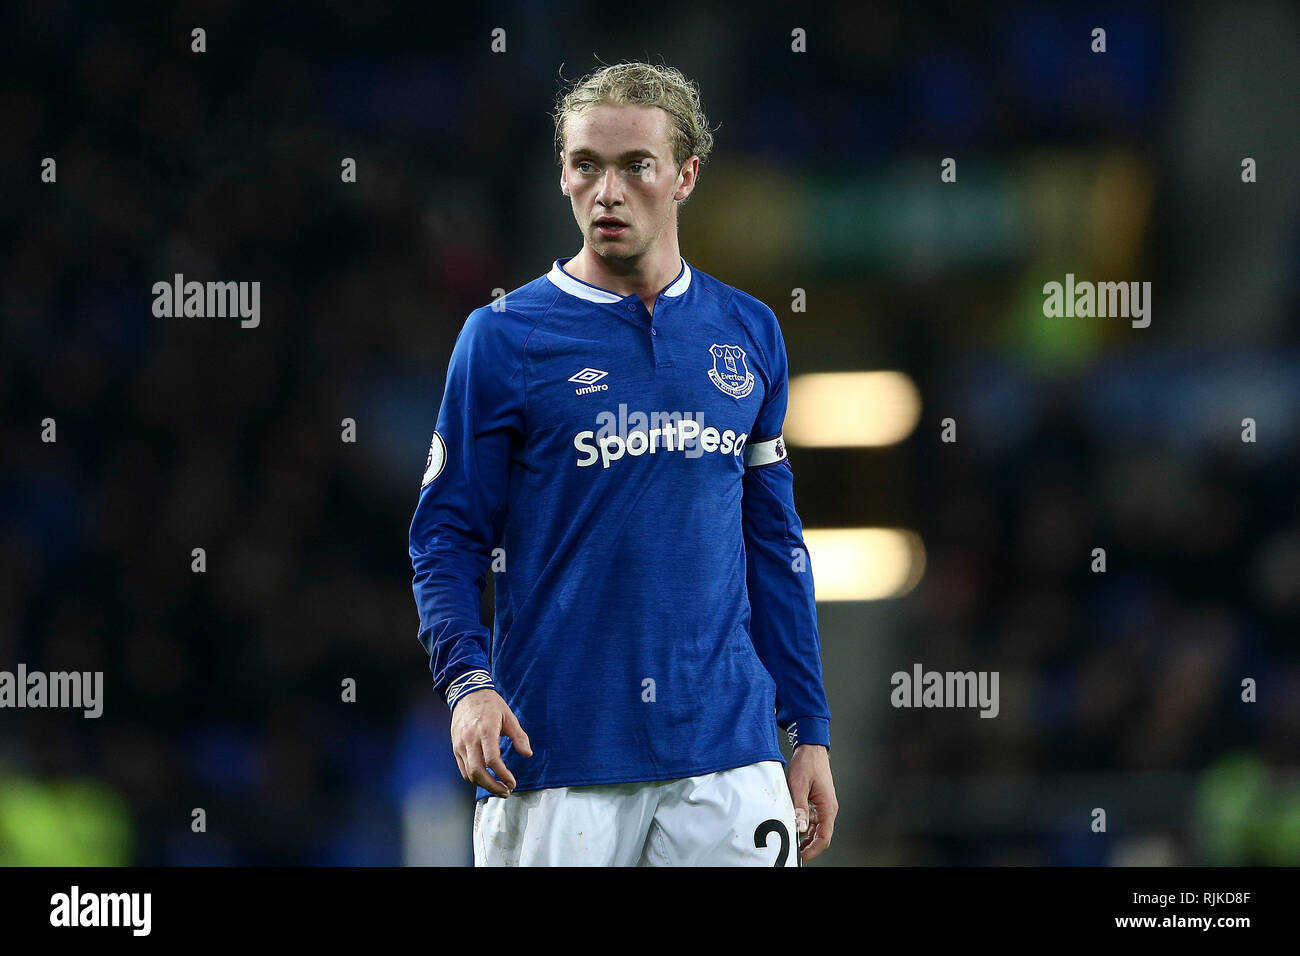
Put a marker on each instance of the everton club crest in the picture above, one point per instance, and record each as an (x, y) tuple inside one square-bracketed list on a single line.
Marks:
[(729, 372)]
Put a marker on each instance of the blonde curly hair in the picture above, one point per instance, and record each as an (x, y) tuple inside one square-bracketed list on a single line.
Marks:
[(642, 84)]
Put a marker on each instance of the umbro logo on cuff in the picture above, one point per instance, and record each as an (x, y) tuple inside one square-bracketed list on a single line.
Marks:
[(470, 680)]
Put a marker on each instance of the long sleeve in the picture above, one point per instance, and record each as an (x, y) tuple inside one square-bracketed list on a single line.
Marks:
[(783, 610), (462, 504)]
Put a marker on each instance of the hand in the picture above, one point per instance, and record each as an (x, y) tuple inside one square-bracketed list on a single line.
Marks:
[(478, 722), (813, 793)]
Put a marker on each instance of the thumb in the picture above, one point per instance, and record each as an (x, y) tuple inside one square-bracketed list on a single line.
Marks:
[(799, 795), (516, 734)]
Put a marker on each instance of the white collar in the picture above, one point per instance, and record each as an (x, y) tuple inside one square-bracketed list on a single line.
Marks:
[(585, 290)]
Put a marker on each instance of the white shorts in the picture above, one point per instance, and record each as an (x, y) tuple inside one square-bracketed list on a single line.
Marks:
[(740, 817)]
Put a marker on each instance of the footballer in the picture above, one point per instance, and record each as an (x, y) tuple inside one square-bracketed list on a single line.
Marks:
[(609, 444)]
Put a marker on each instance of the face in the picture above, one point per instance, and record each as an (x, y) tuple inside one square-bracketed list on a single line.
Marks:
[(618, 163)]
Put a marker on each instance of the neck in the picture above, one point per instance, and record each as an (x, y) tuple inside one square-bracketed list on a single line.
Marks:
[(645, 276)]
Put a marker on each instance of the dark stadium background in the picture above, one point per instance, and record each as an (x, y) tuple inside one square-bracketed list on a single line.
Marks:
[(1118, 690)]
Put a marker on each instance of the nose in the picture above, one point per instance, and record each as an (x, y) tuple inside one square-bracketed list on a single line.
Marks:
[(609, 192)]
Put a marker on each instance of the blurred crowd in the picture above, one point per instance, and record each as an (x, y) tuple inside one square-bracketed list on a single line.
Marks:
[(1123, 671)]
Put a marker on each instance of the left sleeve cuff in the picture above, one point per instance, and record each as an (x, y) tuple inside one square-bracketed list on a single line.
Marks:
[(809, 730), (467, 683)]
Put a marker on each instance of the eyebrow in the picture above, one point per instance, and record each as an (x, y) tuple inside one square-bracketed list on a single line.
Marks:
[(629, 154)]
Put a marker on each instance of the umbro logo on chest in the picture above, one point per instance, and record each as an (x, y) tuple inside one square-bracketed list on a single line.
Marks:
[(590, 380)]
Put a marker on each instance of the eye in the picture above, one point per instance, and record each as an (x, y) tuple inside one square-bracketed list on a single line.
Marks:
[(582, 164)]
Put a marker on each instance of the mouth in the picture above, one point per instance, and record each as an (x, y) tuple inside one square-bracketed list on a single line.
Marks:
[(610, 226)]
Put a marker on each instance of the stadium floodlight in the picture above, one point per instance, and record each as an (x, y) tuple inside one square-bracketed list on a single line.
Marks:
[(851, 409), (864, 564)]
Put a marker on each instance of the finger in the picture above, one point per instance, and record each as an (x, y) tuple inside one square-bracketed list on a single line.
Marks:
[(801, 820), (818, 841), (510, 728), (822, 831), (460, 762), (810, 830), (503, 773), (826, 821), (825, 831), (478, 773), (825, 809), (810, 821), (492, 758), (489, 783)]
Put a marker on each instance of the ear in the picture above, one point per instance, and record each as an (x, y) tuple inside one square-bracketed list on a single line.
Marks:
[(690, 171)]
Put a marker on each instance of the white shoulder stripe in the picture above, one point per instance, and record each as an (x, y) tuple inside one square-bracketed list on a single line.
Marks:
[(760, 453)]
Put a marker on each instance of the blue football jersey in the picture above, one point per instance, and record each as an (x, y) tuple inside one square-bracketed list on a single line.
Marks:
[(624, 478)]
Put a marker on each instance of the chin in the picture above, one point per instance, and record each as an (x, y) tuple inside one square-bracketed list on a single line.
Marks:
[(612, 251)]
